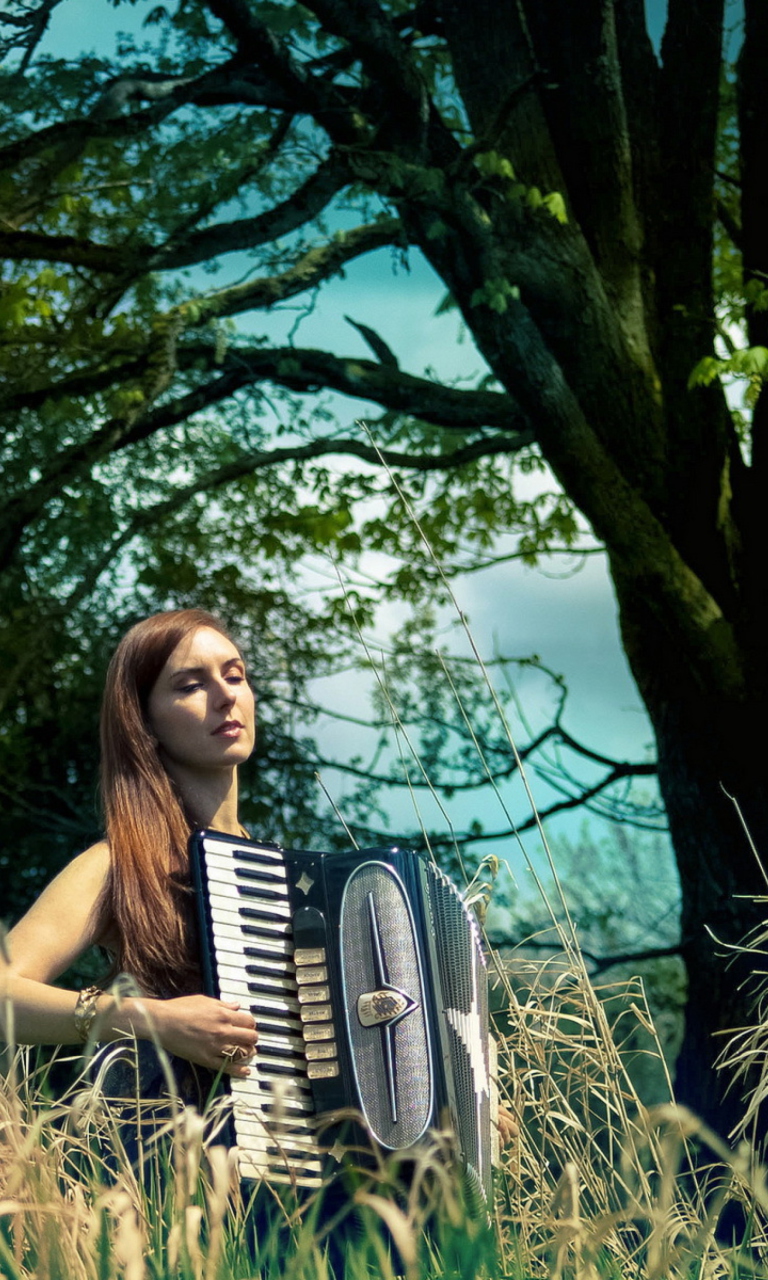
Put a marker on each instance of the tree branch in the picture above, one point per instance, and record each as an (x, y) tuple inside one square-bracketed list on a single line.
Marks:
[(220, 478), (118, 433), (89, 254), (32, 27), (640, 79), (541, 816), (688, 102), (298, 369), (80, 131), (308, 272), (619, 769), (22, 246), (306, 370), (599, 963), (730, 224), (230, 185), (198, 246), (247, 233), (230, 82), (587, 117), (310, 95), (374, 40), (259, 460)]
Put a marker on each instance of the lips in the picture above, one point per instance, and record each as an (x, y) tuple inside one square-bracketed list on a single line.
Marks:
[(230, 727)]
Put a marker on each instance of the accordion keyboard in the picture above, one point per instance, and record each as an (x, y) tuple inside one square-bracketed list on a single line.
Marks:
[(250, 918)]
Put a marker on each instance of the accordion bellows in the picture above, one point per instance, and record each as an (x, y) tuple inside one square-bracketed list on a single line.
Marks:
[(366, 976)]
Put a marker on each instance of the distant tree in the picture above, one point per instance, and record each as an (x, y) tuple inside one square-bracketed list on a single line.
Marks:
[(566, 185), (618, 895)]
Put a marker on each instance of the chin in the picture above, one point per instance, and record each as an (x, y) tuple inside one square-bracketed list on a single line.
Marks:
[(240, 752)]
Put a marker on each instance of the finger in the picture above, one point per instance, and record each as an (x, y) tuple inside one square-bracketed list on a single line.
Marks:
[(239, 1070), (508, 1129), (240, 1073), (241, 1035), (244, 1018)]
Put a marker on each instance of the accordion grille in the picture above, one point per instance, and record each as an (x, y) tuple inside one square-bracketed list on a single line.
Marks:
[(391, 1062)]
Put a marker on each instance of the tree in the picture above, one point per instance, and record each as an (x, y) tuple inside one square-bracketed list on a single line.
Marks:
[(566, 185), (619, 897)]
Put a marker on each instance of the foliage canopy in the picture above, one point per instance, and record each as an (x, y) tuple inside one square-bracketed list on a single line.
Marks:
[(158, 449), (596, 214)]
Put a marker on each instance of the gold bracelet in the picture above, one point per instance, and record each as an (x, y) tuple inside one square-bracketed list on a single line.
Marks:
[(86, 1010)]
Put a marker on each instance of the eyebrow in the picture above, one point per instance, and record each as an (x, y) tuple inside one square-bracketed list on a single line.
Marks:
[(197, 671)]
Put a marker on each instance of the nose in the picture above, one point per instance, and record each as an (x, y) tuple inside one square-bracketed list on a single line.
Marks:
[(225, 694)]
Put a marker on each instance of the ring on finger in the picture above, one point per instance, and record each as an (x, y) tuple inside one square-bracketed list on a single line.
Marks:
[(237, 1053)]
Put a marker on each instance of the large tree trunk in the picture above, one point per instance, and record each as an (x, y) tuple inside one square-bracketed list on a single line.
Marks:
[(616, 309), (712, 775)]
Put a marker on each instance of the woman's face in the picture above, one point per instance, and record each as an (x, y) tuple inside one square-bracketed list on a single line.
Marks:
[(201, 709)]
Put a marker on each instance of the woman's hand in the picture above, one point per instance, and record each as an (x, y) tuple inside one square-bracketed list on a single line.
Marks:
[(509, 1129), (216, 1034)]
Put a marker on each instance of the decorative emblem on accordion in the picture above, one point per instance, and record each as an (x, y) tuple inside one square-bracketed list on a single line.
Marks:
[(367, 979), (387, 1005)]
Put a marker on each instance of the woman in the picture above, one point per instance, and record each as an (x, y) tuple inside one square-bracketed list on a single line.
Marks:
[(178, 718)]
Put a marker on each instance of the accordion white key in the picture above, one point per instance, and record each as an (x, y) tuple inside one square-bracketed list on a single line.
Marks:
[(366, 975)]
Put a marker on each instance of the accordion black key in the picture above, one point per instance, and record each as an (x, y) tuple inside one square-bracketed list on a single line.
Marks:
[(366, 976)]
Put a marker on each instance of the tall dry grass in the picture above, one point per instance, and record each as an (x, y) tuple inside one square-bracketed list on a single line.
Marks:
[(73, 1205), (595, 1185), (598, 1184)]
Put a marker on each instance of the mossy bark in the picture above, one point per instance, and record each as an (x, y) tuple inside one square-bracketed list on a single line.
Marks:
[(614, 312)]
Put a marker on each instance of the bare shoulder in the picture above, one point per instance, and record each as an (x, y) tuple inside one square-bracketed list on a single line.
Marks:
[(92, 865), (85, 874), (65, 920)]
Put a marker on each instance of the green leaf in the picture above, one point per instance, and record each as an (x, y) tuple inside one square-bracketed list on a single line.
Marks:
[(496, 294), (436, 230), (752, 361), (555, 204), (756, 294), (493, 165), (705, 372)]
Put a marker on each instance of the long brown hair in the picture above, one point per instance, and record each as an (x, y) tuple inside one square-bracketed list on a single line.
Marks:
[(147, 895)]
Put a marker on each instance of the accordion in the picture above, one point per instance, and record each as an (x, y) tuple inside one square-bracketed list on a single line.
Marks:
[(367, 978)]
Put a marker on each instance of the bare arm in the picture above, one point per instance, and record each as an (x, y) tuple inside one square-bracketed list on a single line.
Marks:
[(63, 922), (59, 927)]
